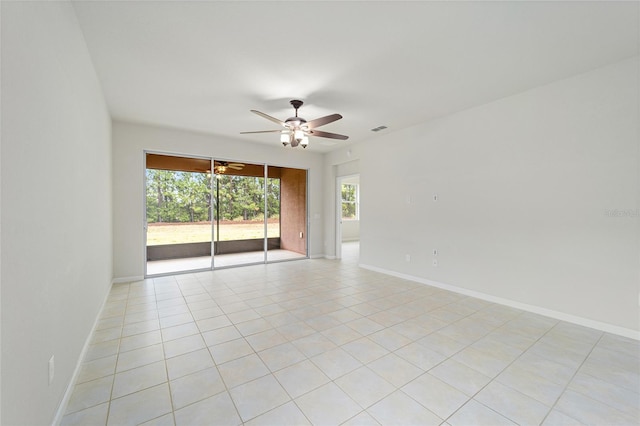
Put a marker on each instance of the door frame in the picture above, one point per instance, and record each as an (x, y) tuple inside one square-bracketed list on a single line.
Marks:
[(144, 209), (338, 216)]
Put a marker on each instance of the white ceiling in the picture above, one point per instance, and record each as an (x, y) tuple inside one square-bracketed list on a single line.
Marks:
[(202, 65)]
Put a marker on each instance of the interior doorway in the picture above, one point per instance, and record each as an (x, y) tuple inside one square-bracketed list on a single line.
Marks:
[(347, 213)]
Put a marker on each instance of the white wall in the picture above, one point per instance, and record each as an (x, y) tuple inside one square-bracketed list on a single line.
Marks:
[(56, 205), (524, 184), (350, 230), (131, 140)]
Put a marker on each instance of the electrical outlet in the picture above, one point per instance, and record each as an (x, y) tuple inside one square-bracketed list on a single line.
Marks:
[(435, 262), (301, 235), (51, 369), (407, 258)]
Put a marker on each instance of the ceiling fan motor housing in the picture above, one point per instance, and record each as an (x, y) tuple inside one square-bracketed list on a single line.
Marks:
[(295, 121)]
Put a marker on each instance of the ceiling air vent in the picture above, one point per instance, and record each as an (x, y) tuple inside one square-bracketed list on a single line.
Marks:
[(377, 129)]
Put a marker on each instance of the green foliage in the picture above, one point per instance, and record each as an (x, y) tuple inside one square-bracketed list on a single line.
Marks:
[(348, 210), (349, 201), (349, 192), (188, 197)]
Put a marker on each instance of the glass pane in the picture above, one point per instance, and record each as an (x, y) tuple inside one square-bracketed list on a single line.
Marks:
[(273, 212), (178, 218), (348, 192), (349, 201), (239, 213), (287, 213)]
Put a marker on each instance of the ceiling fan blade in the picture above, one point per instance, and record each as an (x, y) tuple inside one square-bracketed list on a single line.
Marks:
[(322, 134), (268, 117), (262, 131), (236, 165), (323, 120)]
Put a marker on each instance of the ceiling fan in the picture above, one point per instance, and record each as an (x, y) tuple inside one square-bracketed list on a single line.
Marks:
[(297, 130), (221, 167)]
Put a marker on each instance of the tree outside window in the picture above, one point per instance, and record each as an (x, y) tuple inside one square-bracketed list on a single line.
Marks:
[(350, 201)]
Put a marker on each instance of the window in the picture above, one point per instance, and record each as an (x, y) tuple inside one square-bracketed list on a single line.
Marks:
[(350, 199)]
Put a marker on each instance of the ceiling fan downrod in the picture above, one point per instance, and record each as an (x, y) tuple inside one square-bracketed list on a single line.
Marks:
[(295, 103)]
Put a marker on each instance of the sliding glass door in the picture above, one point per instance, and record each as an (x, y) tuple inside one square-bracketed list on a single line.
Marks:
[(239, 193), (209, 213), (178, 214)]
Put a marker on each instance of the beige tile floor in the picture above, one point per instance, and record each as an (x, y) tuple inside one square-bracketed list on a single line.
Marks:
[(326, 343)]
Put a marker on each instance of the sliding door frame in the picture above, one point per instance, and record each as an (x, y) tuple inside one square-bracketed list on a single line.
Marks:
[(264, 237), (212, 266), (144, 210)]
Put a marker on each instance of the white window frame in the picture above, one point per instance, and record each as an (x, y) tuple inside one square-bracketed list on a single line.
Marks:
[(356, 202)]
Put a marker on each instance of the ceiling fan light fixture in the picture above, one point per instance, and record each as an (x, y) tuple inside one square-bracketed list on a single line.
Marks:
[(297, 130)]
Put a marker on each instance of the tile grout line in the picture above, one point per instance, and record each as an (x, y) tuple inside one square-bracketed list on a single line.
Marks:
[(566, 387), (115, 367), (215, 364), (164, 355), (496, 376)]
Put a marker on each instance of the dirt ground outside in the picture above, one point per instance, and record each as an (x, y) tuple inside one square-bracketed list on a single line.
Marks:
[(198, 232)]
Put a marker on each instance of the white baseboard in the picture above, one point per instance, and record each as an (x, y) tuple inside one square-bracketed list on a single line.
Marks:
[(602, 326), (321, 256), (126, 280), (74, 377)]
